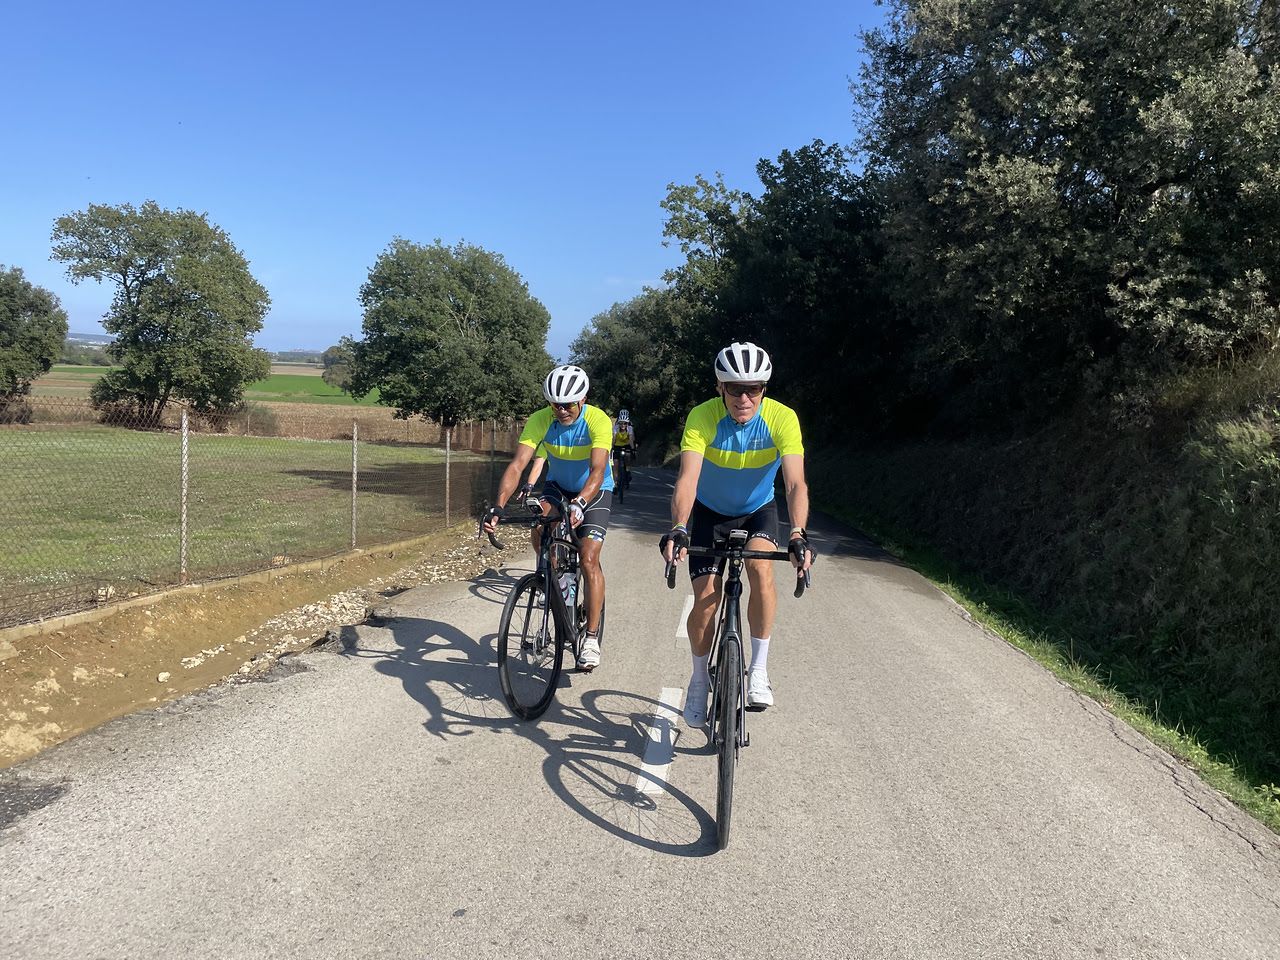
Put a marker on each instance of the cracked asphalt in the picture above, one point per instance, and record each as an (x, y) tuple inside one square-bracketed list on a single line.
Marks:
[(920, 790)]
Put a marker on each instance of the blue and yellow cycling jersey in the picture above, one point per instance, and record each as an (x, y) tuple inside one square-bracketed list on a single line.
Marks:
[(740, 460), (568, 449)]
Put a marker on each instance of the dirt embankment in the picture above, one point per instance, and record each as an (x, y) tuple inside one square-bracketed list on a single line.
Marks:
[(56, 685)]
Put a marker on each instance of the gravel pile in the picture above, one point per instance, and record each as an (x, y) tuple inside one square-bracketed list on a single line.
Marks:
[(307, 625)]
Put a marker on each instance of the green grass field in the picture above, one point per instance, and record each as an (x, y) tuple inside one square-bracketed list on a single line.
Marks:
[(88, 505), (66, 380), (301, 388)]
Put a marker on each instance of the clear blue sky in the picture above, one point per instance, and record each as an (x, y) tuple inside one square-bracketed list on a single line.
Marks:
[(315, 133)]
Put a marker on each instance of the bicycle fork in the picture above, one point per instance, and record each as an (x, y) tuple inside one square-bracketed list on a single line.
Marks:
[(732, 633)]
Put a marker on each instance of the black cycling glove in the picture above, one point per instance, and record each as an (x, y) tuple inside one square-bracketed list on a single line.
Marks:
[(494, 513), (679, 536), (799, 547)]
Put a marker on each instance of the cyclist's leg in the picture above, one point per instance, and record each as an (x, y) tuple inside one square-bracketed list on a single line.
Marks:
[(701, 622), (763, 602), (591, 532), (705, 572)]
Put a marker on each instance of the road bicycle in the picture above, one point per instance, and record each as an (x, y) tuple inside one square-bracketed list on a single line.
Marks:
[(544, 614), (621, 473), (727, 717)]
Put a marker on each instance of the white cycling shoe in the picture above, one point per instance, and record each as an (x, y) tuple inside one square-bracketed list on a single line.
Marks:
[(589, 654), (695, 704), (759, 693)]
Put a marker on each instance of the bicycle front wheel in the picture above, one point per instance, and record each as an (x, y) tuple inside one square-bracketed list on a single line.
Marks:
[(728, 691), (530, 654)]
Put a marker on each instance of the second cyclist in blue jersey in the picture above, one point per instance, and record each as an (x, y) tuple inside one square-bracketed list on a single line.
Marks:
[(575, 438), (733, 447)]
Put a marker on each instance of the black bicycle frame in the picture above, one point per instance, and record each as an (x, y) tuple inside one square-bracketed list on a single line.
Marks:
[(729, 630), (550, 538)]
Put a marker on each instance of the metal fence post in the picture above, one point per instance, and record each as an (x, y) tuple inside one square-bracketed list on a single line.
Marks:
[(182, 550), (355, 439), (448, 439), (493, 458)]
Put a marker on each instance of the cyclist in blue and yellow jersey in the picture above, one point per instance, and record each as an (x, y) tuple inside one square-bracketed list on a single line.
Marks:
[(624, 442), (732, 449), (576, 438)]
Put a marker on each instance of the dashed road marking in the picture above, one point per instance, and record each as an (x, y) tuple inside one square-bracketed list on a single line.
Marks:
[(661, 748), (682, 628)]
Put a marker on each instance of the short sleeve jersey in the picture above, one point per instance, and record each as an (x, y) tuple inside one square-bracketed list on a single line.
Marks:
[(740, 461), (568, 448)]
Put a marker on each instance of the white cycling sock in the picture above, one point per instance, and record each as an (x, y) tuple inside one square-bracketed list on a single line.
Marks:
[(759, 653), (701, 676)]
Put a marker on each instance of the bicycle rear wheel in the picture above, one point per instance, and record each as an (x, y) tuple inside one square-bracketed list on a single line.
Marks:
[(728, 690), (530, 652)]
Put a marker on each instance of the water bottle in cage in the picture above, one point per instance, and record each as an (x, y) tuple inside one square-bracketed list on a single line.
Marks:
[(569, 589)]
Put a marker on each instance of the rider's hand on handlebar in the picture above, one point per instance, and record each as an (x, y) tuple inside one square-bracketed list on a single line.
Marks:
[(674, 545), (577, 511), (490, 522), (801, 551)]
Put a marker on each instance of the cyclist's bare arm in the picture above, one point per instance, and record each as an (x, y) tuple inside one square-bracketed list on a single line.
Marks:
[(535, 471), (686, 492), (510, 480), (797, 494)]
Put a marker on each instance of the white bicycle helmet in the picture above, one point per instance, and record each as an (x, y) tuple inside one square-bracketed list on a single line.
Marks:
[(743, 363), (565, 384), (624, 416)]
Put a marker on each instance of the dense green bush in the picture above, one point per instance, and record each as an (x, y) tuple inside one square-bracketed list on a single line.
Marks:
[(1158, 552)]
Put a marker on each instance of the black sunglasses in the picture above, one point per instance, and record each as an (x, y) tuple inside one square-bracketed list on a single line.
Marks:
[(750, 390)]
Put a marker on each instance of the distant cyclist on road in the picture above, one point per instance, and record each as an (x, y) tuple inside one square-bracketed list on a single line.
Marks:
[(732, 448), (576, 438), (624, 443)]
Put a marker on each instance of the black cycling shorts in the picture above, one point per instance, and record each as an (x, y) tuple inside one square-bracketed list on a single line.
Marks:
[(706, 527), (595, 521)]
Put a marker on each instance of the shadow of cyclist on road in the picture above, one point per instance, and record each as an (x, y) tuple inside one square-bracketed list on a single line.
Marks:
[(594, 749)]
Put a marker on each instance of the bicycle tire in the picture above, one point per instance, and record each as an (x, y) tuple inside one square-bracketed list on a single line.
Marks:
[(727, 694), (529, 664)]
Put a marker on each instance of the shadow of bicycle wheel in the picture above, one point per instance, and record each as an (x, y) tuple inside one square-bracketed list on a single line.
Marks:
[(631, 803)]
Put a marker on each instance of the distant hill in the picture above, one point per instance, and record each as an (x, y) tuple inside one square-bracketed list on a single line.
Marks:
[(296, 356), (100, 340), (96, 339)]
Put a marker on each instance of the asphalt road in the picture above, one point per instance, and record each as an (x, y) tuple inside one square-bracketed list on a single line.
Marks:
[(920, 790)]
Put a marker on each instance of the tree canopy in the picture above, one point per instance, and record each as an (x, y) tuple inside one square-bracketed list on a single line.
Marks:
[(184, 311), (32, 328), (1078, 194), (337, 363), (450, 333), (1049, 205)]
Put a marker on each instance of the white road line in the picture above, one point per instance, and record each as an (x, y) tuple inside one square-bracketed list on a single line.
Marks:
[(682, 628), (661, 748), (653, 476)]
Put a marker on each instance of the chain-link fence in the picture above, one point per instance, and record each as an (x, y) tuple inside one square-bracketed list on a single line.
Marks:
[(102, 506)]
